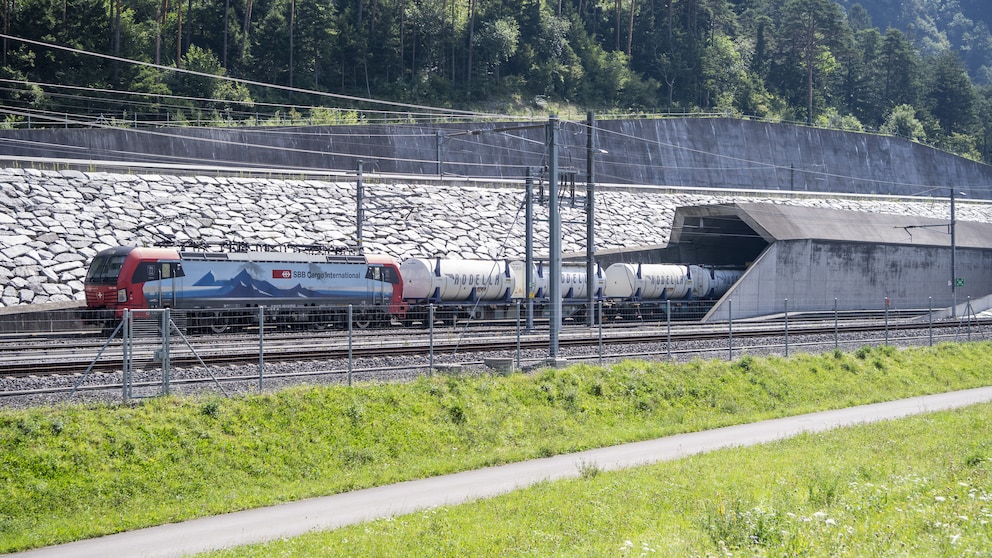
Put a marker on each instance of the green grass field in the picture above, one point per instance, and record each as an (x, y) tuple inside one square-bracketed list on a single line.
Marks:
[(914, 487), (75, 472)]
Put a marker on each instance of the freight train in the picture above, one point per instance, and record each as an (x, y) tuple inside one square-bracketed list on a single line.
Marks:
[(221, 289)]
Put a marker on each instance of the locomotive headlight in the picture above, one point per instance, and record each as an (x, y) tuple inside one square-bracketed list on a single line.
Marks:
[(122, 295)]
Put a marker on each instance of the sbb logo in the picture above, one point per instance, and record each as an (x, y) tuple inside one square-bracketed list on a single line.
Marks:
[(282, 274)]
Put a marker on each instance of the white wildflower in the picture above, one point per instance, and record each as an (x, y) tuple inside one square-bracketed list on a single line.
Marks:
[(830, 521), (940, 499)]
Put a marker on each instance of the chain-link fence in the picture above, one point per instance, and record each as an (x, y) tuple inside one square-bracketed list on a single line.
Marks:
[(144, 348)]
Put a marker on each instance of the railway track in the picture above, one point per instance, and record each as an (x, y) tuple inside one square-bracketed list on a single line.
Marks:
[(78, 352)]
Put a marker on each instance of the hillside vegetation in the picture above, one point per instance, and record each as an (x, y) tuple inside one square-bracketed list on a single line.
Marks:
[(915, 68), (74, 472)]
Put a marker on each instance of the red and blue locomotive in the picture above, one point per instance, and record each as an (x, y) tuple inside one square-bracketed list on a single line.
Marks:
[(313, 286)]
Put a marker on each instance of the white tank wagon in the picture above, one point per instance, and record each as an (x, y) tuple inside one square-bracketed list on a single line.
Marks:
[(455, 280), (458, 289), (651, 291), (647, 282), (494, 290), (712, 283), (574, 285)]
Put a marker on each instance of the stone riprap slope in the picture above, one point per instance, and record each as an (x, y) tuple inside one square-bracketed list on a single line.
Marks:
[(53, 222)]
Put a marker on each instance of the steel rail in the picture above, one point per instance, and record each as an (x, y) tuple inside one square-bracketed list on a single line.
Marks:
[(73, 360)]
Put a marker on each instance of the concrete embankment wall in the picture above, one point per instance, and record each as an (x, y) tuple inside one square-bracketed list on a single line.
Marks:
[(694, 152)]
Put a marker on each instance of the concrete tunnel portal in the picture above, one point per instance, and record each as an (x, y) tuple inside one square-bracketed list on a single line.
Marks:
[(820, 259)]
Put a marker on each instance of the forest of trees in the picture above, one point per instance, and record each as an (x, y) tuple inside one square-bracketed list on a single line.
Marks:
[(921, 69)]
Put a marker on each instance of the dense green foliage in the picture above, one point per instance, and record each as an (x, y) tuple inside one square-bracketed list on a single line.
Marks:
[(73, 472), (920, 486), (845, 64)]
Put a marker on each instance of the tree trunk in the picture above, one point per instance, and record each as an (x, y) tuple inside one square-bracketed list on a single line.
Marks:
[(471, 37), (292, 29), (227, 13), (630, 29), (671, 16), (189, 24), (811, 45), (244, 30), (163, 10), (179, 34), (619, 18), (402, 36), (373, 8), (8, 7), (809, 91), (117, 39)]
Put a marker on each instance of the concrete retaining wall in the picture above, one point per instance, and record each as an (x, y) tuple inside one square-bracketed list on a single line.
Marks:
[(696, 152)]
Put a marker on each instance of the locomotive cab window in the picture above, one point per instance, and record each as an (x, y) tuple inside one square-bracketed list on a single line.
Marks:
[(390, 275), (384, 274), (105, 269), (154, 271)]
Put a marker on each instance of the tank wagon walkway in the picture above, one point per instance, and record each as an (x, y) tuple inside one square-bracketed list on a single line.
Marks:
[(297, 518)]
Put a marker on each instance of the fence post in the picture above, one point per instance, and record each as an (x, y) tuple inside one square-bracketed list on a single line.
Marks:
[(126, 340), (350, 340), (430, 343), (730, 328), (600, 332), (836, 341), (786, 328), (166, 346), (930, 315), (886, 320), (261, 345), (518, 335), (668, 323)]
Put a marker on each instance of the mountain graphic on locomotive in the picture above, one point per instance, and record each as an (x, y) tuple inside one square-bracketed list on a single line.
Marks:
[(220, 289)]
